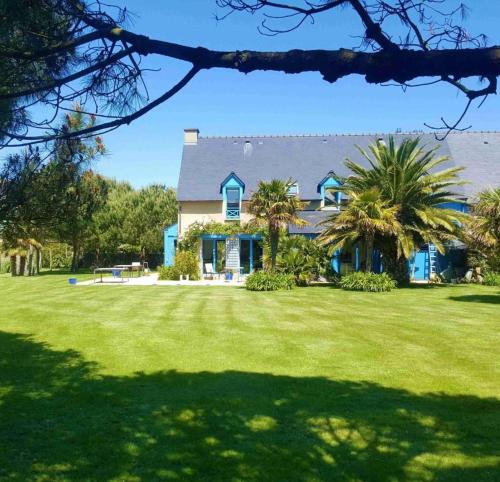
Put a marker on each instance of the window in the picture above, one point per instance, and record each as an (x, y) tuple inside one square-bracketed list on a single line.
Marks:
[(232, 189), (233, 197), (232, 203), (331, 197), (293, 190), (328, 189)]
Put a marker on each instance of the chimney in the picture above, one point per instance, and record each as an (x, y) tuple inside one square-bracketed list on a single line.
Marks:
[(191, 137)]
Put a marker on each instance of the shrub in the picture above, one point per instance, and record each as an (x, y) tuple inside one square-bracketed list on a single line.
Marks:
[(269, 281), (168, 273), (57, 256), (475, 259), (304, 259), (491, 279), (186, 263), (294, 263), (359, 281), (4, 265)]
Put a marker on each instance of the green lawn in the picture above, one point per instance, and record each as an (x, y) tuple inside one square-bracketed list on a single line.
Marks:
[(177, 383)]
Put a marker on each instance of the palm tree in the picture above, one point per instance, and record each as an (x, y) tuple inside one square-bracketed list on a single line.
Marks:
[(24, 249), (272, 205), (482, 231), (12, 253), (409, 180), (33, 262), (485, 226), (366, 217)]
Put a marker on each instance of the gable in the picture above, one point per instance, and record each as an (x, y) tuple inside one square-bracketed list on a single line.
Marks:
[(232, 180), (331, 180)]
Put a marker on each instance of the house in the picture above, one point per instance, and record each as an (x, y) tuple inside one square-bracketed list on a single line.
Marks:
[(218, 175)]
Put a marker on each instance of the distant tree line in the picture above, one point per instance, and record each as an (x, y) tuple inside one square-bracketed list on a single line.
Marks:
[(54, 196)]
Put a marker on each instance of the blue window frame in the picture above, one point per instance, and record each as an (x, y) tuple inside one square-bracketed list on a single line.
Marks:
[(233, 203), (330, 196), (293, 190), (232, 189)]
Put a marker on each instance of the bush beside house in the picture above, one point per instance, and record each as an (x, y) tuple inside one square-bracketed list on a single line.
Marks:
[(186, 264), (360, 281), (269, 281), (303, 258)]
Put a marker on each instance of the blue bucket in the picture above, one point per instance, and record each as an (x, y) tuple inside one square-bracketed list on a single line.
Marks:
[(72, 281), (116, 273), (229, 275)]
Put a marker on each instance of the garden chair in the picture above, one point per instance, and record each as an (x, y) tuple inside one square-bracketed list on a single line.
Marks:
[(209, 271), (136, 266)]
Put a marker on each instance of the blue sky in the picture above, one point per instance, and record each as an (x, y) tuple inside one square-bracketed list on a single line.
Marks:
[(223, 103)]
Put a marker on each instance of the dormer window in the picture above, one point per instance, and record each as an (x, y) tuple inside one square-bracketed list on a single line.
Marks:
[(232, 189), (331, 198), (293, 190), (233, 203)]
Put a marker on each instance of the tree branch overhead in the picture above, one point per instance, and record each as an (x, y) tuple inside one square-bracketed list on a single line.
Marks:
[(100, 60)]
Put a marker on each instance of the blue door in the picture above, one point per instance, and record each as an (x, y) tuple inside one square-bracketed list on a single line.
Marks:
[(421, 265)]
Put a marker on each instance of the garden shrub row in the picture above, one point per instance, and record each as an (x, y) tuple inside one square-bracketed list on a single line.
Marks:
[(359, 281), (269, 281), (491, 279)]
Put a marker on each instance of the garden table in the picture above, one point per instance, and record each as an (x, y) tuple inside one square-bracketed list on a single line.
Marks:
[(115, 271)]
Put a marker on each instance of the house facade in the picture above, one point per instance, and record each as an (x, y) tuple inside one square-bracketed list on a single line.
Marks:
[(219, 174)]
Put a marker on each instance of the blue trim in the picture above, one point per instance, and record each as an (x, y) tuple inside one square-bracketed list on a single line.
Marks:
[(376, 262), (232, 212), (293, 190), (336, 261), (327, 182), (169, 239), (256, 237), (460, 206), (328, 177), (356, 258), (232, 176), (214, 254), (419, 264), (213, 236), (251, 255)]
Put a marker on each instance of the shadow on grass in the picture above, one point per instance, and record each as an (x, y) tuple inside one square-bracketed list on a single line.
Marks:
[(494, 299), (430, 286), (411, 286), (61, 420)]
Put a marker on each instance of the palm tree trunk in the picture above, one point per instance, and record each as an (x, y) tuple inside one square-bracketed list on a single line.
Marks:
[(273, 242), (30, 261), (369, 254), (396, 267), (13, 265), (38, 260), (22, 264)]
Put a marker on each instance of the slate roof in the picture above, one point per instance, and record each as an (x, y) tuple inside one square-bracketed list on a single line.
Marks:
[(313, 218), (308, 159)]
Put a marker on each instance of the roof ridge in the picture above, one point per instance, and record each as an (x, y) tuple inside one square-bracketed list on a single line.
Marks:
[(348, 134)]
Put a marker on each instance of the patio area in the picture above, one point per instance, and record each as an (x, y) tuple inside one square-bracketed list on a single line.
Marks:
[(152, 280)]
